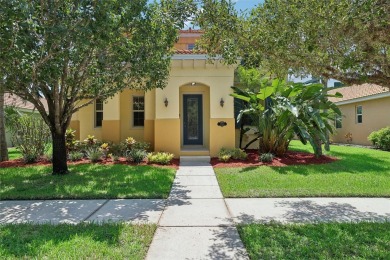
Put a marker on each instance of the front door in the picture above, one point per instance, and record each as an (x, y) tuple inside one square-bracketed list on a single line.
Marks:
[(192, 119)]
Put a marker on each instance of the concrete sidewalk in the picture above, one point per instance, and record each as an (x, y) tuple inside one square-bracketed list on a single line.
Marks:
[(246, 210), (196, 223)]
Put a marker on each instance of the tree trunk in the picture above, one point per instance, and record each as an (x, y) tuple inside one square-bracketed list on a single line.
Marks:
[(3, 141), (59, 154), (318, 150)]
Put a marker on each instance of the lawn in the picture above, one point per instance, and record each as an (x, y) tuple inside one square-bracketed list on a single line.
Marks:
[(86, 181), (14, 153), (359, 172), (82, 241), (317, 241)]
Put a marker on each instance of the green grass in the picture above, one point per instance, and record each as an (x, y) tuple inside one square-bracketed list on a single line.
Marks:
[(358, 172), (317, 241), (87, 181), (83, 241), (14, 153)]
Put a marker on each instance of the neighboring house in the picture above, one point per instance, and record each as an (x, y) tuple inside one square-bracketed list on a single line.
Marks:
[(22, 106), (192, 115), (365, 108)]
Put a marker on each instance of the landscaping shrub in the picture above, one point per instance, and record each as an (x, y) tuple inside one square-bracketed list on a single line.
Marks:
[(105, 148), (160, 158), (135, 155), (117, 149), (141, 146), (115, 158), (239, 154), (129, 142), (48, 155), (225, 158), (70, 140), (236, 153), (31, 135), (94, 154), (75, 156), (381, 138), (266, 157), (90, 140)]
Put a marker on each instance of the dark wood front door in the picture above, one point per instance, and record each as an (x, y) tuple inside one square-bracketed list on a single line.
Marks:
[(192, 119)]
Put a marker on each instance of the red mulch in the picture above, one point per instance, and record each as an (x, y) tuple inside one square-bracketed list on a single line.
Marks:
[(290, 158), (19, 163)]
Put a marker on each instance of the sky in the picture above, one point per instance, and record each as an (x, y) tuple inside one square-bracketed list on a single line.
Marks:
[(247, 4)]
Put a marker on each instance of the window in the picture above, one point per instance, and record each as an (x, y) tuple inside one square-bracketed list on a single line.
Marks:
[(191, 46), (138, 111), (359, 114), (98, 112), (338, 122)]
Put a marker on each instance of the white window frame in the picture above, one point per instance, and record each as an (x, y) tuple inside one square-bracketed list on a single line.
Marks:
[(357, 114), (98, 110), (135, 110)]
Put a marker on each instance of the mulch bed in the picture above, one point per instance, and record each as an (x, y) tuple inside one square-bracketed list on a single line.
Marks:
[(19, 163), (290, 158)]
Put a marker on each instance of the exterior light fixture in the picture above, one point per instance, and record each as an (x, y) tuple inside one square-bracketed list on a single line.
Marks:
[(166, 102), (193, 83), (222, 102)]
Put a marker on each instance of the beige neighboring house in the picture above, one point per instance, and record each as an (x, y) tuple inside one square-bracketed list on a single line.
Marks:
[(22, 106), (365, 108)]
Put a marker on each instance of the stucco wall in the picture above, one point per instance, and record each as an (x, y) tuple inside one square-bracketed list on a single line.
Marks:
[(376, 115), (212, 80), (126, 116), (87, 122), (163, 125), (117, 119)]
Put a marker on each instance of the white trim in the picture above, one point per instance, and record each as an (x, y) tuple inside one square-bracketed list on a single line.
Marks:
[(361, 99), (194, 57)]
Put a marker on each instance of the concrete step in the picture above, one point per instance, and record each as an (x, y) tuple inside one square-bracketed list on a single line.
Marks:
[(203, 158)]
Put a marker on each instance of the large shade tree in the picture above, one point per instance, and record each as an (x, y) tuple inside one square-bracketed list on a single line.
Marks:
[(343, 39), (72, 52)]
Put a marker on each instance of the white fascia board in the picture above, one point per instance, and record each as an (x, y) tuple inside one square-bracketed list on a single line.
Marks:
[(361, 99), (193, 57)]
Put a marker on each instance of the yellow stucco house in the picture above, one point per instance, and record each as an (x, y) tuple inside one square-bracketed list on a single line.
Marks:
[(193, 115), (365, 108)]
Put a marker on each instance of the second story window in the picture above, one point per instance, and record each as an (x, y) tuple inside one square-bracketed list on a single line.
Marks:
[(138, 110), (98, 112), (359, 114), (191, 46)]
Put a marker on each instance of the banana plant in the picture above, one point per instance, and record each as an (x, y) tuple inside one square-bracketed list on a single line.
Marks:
[(284, 110)]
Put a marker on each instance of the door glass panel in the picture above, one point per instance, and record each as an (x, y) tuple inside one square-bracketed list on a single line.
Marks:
[(192, 118)]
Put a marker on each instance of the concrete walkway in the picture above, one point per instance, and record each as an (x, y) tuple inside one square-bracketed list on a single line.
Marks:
[(196, 224)]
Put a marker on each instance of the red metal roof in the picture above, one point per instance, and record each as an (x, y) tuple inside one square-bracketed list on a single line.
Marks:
[(357, 91)]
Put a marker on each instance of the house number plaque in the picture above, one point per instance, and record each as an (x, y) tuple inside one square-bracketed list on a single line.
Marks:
[(222, 123)]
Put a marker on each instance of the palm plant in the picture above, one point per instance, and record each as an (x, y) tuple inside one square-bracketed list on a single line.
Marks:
[(284, 110)]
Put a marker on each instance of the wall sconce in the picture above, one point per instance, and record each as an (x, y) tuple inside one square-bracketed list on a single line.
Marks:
[(166, 102), (193, 83), (222, 102)]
